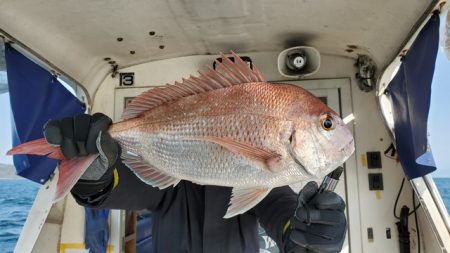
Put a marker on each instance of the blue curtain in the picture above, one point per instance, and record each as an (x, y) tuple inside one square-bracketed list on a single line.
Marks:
[(409, 92), (36, 96)]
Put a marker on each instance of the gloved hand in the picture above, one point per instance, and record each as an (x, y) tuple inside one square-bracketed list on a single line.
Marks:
[(82, 135), (319, 223)]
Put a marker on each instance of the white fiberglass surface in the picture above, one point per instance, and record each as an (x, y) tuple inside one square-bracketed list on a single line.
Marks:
[(84, 39)]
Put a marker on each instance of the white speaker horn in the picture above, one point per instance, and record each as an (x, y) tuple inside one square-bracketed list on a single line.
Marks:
[(296, 62)]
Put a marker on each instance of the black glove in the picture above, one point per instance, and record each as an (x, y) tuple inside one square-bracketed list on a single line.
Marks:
[(78, 136), (319, 223)]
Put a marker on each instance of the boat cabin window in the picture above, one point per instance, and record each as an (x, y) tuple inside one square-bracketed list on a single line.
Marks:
[(438, 123)]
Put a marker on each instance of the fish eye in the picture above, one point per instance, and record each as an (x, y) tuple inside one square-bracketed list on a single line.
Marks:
[(328, 123)]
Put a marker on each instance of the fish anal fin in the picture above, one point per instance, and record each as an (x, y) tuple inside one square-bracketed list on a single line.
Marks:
[(70, 172), (148, 173), (226, 74), (269, 160), (244, 199)]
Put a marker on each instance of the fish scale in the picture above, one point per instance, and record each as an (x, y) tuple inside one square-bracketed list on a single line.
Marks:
[(203, 162)]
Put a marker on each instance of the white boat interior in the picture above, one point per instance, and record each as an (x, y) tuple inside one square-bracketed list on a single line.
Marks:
[(111, 51)]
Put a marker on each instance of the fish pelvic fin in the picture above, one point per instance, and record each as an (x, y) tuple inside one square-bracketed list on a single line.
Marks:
[(148, 173), (269, 160), (226, 74), (37, 147), (244, 199)]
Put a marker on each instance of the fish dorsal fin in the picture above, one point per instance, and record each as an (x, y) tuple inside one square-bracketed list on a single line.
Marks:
[(266, 159), (148, 173), (228, 73), (244, 199)]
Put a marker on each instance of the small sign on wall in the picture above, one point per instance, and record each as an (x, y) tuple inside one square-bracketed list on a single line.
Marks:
[(127, 79)]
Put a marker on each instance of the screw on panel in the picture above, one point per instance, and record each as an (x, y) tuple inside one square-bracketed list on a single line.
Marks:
[(120, 39), (132, 52), (161, 46), (349, 50), (151, 33), (107, 59)]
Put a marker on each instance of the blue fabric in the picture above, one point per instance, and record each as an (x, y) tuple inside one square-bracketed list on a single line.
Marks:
[(145, 245), (96, 233), (36, 96), (409, 92), (144, 237)]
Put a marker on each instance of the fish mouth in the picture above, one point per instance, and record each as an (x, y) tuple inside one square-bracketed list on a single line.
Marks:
[(292, 154), (348, 149)]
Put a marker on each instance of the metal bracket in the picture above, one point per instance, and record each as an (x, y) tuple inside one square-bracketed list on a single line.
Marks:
[(366, 73)]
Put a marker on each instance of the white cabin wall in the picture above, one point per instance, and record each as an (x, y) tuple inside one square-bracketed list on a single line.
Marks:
[(428, 242), (366, 208)]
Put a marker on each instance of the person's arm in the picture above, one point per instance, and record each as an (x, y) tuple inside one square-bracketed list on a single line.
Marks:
[(107, 183), (275, 210)]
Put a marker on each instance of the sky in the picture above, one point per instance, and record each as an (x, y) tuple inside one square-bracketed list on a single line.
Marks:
[(439, 116), (5, 128)]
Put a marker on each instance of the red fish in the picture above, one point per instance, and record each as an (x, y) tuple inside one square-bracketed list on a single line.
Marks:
[(227, 127)]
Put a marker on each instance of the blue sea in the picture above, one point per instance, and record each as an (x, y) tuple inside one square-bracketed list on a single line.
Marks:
[(443, 185), (16, 198), (17, 195)]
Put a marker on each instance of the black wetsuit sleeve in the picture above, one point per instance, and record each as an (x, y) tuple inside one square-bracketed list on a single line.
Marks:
[(275, 210), (130, 192)]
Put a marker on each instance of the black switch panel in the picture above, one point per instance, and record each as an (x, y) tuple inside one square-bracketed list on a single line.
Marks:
[(373, 160), (375, 181), (388, 233), (370, 234)]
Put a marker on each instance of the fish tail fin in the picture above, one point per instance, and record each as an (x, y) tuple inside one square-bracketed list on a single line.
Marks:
[(37, 147), (70, 171)]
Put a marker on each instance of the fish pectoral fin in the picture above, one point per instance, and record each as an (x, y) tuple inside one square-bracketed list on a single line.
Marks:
[(269, 160), (148, 173), (244, 199)]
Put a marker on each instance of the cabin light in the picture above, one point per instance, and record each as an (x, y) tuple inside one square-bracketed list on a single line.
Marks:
[(386, 110), (349, 118)]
